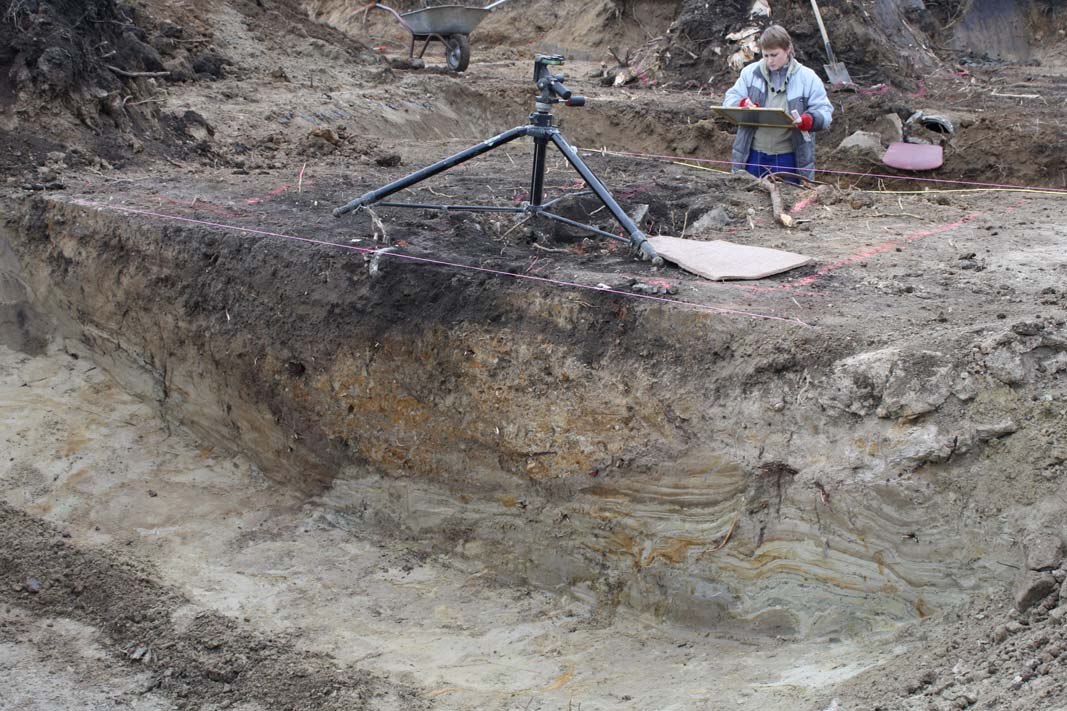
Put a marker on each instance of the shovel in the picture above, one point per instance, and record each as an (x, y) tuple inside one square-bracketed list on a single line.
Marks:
[(835, 70)]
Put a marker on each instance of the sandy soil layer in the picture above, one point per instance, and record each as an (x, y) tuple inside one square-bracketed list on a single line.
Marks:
[(174, 573)]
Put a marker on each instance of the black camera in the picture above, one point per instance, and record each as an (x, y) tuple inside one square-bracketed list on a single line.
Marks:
[(551, 85)]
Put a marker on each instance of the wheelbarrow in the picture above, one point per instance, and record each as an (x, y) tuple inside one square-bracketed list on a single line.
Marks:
[(450, 25)]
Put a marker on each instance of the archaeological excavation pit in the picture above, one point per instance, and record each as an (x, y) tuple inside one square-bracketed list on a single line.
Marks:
[(259, 457)]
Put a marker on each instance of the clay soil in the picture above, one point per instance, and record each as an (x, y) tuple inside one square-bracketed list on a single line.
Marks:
[(146, 564)]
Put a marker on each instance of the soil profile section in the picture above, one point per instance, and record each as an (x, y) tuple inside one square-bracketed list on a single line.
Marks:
[(664, 458)]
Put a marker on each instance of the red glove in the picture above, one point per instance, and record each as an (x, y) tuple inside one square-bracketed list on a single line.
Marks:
[(747, 103), (806, 122)]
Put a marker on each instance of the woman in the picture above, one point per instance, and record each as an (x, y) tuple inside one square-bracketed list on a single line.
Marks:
[(779, 81)]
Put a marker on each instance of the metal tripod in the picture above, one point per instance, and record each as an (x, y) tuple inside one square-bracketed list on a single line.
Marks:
[(541, 129)]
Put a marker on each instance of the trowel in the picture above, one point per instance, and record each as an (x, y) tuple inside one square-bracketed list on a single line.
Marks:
[(835, 70)]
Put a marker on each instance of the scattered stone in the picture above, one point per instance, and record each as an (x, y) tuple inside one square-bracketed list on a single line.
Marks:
[(211, 65), (711, 221), (859, 381), (919, 383), (169, 29), (141, 653), (1006, 366), (319, 145), (638, 213), (326, 134), (407, 63), (1044, 552), (388, 160), (32, 585), (859, 200), (890, 128), (864, 143), (142, 54), (180, 68), (653, 287), (193, 125), (964, 387), (56, 67), (1028, 328), (923, 444), (928, 677), (984, 433), (1033, 587)]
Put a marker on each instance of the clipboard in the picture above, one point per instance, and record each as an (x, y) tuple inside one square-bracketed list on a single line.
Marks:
[(749, 116)]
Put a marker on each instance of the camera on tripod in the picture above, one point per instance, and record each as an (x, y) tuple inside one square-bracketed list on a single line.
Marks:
[(544, 133), (551, 85)]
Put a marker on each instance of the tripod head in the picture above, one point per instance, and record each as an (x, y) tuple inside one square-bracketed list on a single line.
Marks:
[(551, 85)]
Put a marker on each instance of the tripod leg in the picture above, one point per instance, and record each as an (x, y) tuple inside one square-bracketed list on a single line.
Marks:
[(537, 177), (442, 165), (637, 237)]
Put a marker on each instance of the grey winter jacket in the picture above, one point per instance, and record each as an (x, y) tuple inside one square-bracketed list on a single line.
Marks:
[(806, 95)]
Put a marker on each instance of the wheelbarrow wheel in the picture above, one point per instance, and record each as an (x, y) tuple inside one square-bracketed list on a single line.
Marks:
[(458, 52)]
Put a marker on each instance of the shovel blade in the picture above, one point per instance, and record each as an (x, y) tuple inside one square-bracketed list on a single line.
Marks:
[(837, 74)]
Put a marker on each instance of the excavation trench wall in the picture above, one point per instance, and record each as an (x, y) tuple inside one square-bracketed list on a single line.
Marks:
[(706, 468)]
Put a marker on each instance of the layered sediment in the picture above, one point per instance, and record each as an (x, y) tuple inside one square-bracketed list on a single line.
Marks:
[(703, 467)]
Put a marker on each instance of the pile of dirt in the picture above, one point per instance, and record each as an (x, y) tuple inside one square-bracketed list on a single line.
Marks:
[(87, 76), (895, 42), (875, 40), (60, 49), (91, 78)]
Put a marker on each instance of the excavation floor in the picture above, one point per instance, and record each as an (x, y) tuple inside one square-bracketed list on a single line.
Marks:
[(212, 540)]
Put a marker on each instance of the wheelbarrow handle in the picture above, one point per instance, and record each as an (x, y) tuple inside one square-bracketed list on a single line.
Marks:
[(377, 5), (491, 5)]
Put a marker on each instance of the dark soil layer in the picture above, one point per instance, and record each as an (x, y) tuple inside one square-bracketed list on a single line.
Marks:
[(208, 660)]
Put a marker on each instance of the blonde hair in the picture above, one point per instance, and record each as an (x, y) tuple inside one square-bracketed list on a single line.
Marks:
[(775, 37)]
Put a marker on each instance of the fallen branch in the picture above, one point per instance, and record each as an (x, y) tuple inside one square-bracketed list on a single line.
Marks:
[(515, 227), (897, 214), (134, 75), (1015, 96), (143, 101), (546, 249), (780, 215)]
